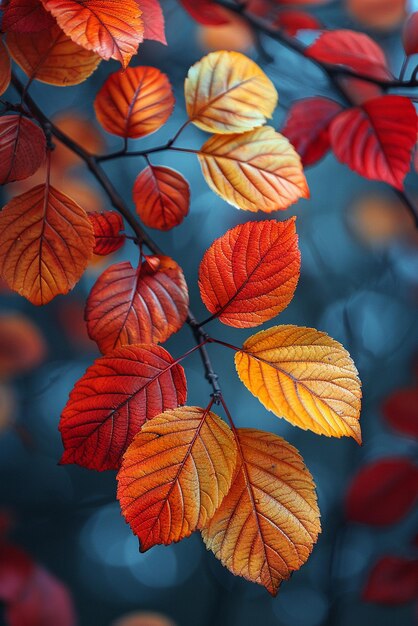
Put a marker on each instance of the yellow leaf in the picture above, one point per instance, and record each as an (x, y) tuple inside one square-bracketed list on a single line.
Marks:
[(228, 93), (175, 474), (255, 171), (305, 377), (268, 523)]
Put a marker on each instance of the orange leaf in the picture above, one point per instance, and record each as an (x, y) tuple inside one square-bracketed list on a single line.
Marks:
[(161, 196), (25, 16), (22, 346), (22, 148), (112, 401), (46, 241), (379, 14), (5, 68), (226, 92), (250, 274), (255, 171), (135, 102), (305, 377), (51, 57), (107, 227), (111, 28), (175, 475), (268, 523), (144, 305)]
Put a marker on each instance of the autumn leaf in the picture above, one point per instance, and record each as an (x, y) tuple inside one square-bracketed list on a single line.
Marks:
[(305, 377), (268, 523), (392, 581), (377, 139), (161, 196), (255, 171), (153, 19), (22, 347), (5, 68), (25, 16), (249, 275), (383, 16), (111, 28), (107, 227), (22, 148), (137, 305), (112, 401), (46, 241), (226, 92), (135, 102), (307, 127), (410, 34), (175, 475), (294, 21), (401, 411), (51, 57), (206, 12)]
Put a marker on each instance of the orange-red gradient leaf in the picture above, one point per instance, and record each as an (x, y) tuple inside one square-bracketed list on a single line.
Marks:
[(304, 376), (111, 28), (22, 148), (112, 401), (107, 227), (46, 241), (268, 523), (249, 275), (161, 196), (153, 19), (5, 68), (135, 102), (51, 57), (226, 92), (307, 127), (175, 475), (255, 171), (137, 305), (377, 139), (25, 16)]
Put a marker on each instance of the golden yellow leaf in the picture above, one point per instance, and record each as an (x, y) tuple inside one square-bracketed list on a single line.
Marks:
[(255, 171), (304, 376), (268, 523), (226, 92)]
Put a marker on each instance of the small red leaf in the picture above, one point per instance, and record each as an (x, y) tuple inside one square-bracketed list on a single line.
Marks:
[(153, 19), (393, 580), (307, 127), (401, 411), (107, 229), (293, 21), (26, 16), (114, 398), (376, 139), (383, 492), (22, 148), (205, 12), (410, 34), (15, 569)]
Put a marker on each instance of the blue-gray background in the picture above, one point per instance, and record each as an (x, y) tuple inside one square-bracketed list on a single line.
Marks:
[(363, 295)]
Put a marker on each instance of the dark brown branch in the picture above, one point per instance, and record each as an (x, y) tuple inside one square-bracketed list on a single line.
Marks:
[(119, 204)]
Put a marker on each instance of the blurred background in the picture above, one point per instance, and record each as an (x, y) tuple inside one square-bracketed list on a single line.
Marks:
[(359, 283)]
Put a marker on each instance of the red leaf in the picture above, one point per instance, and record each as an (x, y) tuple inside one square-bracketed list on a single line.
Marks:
[(410, 34), (383, 492), (307, 127), (26, 16), (153, 19), (161, 196), (376, 139), (22, 148), (393, 580), (15, 569), (107, 228), (205, 12), (44, 601), (293, 21), (353, 50), (137, 305), (22, 347), (401, 411), (114, 398), (5, 68)]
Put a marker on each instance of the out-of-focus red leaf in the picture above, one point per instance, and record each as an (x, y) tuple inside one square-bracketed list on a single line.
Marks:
[(22, 148), (15, 569), (26, 16), (22, 346), (410, 34), (70, 312), (107, 229), (43, 601), (293, 21), (353, 50), (381, 15), (143, 619), (307, 127), (401, 411), (383, 492), (377, 139), (205, 12), (111, 402), (5, 68), (393, 580), (153, 19)]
